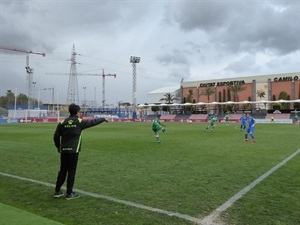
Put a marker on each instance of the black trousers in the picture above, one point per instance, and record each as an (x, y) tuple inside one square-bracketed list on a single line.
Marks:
[(68, 166)]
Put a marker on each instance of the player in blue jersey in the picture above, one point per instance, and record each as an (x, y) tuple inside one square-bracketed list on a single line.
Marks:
[(250, 129), (243, 120)]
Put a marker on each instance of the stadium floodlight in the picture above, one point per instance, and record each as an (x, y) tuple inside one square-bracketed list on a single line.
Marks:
[(134, 60)]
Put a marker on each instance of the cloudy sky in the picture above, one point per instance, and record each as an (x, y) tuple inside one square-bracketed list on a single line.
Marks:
[(183, 39)]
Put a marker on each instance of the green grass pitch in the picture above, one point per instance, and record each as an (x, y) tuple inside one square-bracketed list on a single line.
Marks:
[(192, 172)]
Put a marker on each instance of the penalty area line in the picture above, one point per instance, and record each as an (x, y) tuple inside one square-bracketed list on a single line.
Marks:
[(210, 219), (108, 198)]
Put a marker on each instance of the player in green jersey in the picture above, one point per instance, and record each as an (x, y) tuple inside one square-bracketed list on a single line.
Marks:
[(157, 125), (296, 119), (213, 120), (227, 119)]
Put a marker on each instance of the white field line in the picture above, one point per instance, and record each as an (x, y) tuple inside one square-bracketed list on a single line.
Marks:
[(127, 203), (208, 220), (211, 219)]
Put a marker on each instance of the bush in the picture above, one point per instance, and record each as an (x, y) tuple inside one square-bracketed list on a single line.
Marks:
[(276, 106)]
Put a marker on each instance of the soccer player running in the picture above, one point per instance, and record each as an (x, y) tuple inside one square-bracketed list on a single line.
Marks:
[(157, 125), (243, 120), (250, 129), (212, 125)]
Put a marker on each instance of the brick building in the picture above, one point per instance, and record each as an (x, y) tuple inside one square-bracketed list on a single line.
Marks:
[(252, 88)]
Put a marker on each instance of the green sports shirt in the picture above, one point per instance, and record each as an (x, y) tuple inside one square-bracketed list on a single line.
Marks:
[(227, 117), (213, 120), (156, 124)]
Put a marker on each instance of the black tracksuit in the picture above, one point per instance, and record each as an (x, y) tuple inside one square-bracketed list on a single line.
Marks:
[(67, 139)]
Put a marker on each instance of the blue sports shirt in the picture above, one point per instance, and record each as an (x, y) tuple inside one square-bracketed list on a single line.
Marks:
[(243, 120), (251, 121)]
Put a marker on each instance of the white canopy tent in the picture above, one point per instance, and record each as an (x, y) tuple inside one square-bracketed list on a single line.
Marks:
[(222, 103)]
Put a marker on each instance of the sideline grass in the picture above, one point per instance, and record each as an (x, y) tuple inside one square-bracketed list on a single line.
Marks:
[(192, 173), (11, 216)]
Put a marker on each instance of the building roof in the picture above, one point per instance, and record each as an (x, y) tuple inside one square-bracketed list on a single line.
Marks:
[(165, 90)]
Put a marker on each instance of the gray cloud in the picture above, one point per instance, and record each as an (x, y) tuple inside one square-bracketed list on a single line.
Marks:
[(175, 39), (176, 57), (236, 26), (245, 63)]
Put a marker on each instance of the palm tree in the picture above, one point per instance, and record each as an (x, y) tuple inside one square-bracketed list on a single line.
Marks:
[(235, 89), (208, 91), (169, 98), (189, 97)]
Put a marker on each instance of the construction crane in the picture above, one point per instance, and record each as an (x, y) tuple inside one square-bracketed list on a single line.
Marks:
[(29, 71), (103, 86), (92, 74)]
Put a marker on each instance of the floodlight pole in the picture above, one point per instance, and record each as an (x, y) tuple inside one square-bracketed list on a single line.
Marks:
[(134, 60), (52, 90), (29, 72)]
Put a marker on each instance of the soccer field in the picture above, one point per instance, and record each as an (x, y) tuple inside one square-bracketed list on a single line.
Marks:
[(126, 178)]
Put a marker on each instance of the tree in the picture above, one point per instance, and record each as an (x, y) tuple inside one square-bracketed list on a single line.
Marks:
[(8, 99), (22, 99), (155, 108), (168, 98), (235, 89), (297, 104), (189, 97), (208, 91), (228, 94), (284, 96)]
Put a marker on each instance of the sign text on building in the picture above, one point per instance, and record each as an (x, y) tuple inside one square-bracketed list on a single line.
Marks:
[(213, 84), (279, 79)]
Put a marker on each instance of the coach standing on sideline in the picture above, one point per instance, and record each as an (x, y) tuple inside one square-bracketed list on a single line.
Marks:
[(67, 139)]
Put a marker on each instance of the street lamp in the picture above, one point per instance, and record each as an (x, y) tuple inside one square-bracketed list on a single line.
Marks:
[(134, 60), (34, 82), (51, 89), (119, 104)]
